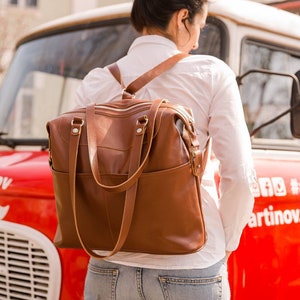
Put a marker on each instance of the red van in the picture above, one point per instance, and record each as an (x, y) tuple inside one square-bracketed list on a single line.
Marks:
[(260, 43)]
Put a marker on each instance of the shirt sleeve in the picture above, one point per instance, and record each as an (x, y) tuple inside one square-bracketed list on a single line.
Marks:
[(232, 147)]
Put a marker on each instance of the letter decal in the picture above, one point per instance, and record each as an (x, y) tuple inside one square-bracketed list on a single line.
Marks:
[(3, 211), (5, 182)]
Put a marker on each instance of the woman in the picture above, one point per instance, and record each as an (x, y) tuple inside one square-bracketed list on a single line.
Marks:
[(208, 86)]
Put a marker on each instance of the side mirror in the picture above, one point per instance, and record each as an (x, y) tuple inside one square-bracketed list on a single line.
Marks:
[(295, 107)]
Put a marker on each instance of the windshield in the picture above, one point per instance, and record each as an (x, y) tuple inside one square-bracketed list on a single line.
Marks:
[(46, 72)]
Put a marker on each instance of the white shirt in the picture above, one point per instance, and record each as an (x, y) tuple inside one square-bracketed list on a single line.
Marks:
[(208, 86)]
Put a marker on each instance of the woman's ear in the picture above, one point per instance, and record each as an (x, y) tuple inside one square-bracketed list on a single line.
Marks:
[(182, 15)]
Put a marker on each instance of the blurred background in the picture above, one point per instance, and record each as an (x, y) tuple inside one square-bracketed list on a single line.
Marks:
[(18, 16)]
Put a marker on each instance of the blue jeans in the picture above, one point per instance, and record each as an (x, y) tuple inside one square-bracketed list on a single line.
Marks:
[(109, 281)]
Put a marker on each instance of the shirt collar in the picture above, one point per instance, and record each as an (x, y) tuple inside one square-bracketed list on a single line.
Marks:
[(157, 40)]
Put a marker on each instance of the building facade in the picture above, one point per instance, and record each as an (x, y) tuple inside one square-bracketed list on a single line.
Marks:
[(19, 16)]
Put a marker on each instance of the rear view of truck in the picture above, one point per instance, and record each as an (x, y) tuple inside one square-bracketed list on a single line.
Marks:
[(261, 44)]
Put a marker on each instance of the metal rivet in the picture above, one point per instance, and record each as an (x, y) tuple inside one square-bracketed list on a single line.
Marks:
[(75, 130), (139, 130)]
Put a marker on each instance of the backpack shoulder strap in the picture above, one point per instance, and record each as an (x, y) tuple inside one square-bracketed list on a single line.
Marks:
[(115, 71), (145, 78)]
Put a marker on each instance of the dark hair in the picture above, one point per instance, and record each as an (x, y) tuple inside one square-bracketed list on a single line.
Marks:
[(157, 13)]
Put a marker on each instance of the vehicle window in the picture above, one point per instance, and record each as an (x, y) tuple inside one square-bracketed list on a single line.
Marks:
[(213, 39), (46, 72), (265, 96), (29, 113)]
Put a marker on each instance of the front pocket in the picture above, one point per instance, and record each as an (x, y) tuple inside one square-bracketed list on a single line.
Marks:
[(167, 216)]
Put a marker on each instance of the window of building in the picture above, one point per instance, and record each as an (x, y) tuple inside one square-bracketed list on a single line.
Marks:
[(32, 3), (24, 3)]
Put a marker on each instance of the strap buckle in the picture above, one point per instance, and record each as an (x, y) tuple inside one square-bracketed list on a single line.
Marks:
[(76, 125)]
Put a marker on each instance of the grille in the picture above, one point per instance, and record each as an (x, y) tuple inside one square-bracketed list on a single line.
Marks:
[(29, 264)]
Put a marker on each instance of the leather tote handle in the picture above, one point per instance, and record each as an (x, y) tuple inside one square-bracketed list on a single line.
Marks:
[(129, 198), (137, 146)]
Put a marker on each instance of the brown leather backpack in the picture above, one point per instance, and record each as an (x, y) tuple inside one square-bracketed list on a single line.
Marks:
[(127, 175)]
